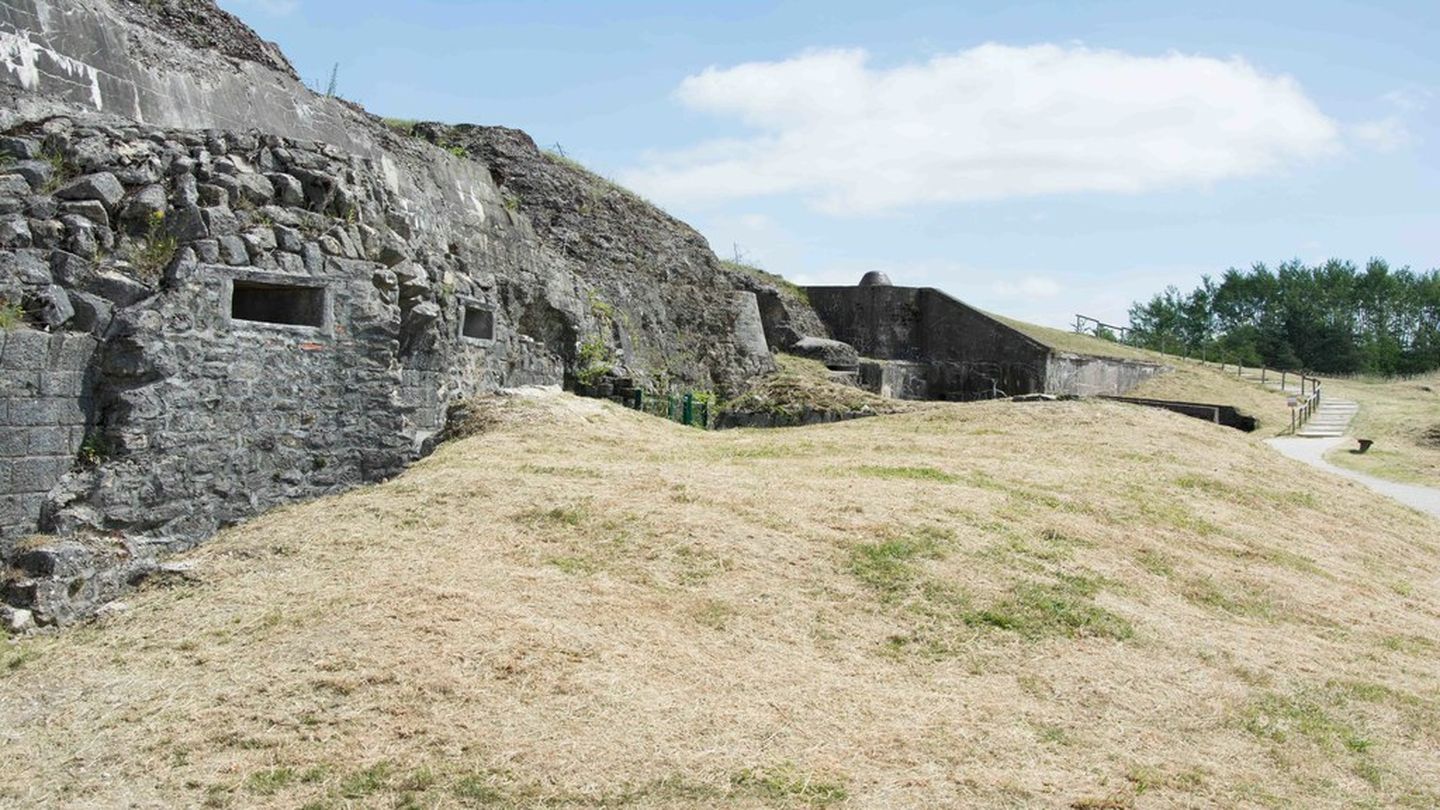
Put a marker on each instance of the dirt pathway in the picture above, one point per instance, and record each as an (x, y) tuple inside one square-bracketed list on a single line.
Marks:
[(1312, 452)]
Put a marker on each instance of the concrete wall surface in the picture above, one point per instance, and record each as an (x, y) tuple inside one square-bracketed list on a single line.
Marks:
[(1082, 375), (966, 353)]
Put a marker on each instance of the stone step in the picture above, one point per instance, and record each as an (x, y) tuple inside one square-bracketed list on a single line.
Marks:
[(1331, 419)]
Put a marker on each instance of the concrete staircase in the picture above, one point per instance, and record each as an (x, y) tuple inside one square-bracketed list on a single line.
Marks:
[(1330, 421)]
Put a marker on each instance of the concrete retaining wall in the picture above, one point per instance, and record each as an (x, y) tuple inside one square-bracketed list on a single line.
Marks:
[(898, 379), (1090, 376)]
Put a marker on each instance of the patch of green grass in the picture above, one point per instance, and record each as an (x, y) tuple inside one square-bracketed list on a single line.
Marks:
[(1289, 559), (1410, 644), (12, 657), (1223, 490), (314, 774), (575, 566), (786, 783), (1156, 562), (1240, 601), (1148, 778), (1050, 733), (364, 782), (1064, 609), (905, 473), (1156, 509), (271, 781), (713, 613), (1325, 719), (218, 796), (478, 788), (1037, 552), (888, 566)]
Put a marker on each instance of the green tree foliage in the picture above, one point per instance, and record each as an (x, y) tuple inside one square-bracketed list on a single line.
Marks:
[(1333, 318)]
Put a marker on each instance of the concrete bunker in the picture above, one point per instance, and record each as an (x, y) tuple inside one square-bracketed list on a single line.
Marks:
[(921, 343), (284, 304)]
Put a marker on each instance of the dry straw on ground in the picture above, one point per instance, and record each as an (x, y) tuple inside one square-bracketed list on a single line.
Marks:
[(1044, 604)]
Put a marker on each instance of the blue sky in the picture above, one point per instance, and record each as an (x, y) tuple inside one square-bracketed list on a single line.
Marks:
[(1035, 159)]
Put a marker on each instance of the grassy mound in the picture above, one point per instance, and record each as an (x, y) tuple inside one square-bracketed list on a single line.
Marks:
[(1072, 604), (1191, 382), (1061, 340)]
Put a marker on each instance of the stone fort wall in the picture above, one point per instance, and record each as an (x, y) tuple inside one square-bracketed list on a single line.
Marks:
[(45, 399), (236, 294)]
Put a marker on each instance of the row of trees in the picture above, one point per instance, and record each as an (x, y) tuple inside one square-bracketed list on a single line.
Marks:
[(1335, 318)]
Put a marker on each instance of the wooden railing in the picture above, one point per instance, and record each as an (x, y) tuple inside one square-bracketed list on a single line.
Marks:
[(1303, 404), (1302, 408)]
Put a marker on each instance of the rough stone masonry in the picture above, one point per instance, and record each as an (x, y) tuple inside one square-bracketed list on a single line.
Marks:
[(223, 292)]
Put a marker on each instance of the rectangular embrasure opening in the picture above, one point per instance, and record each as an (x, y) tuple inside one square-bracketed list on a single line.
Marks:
[(479, 323), (278, 303)]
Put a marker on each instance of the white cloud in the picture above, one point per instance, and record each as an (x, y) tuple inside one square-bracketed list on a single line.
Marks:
[(1392, 132), (1408, 99), (1385, 134), (991, 122), (1027, 287)]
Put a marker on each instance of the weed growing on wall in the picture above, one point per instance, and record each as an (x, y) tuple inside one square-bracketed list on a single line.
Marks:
[(596, 359), (61, 172), (93, 450), (153, 255), (12, 315)]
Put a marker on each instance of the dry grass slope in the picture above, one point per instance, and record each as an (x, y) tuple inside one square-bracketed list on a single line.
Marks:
[(1062, 340), (1192, 382), (1049, 604)]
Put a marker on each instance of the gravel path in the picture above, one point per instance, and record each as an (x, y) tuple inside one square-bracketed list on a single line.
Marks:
[(1312, 452)]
